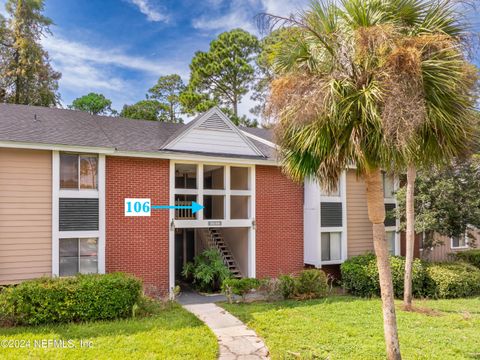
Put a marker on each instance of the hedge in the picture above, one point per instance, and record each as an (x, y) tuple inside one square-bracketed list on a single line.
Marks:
[(308, 284), (469, 256), (78, 298), (452, 280), (360, 275), (440, 280)]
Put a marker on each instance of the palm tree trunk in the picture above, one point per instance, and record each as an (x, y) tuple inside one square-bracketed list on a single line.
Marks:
[(376, 214), (410, 235)]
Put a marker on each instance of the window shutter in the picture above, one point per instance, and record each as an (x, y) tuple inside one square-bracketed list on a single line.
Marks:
[(331, 214), (78, 214)]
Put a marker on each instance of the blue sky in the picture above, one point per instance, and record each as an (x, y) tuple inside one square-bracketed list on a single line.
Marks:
[(121, 47)]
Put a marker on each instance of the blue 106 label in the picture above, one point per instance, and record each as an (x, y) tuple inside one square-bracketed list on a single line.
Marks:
[(137, 207)]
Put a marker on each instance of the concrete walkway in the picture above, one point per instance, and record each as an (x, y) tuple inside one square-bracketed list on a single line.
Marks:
[(235, 339)]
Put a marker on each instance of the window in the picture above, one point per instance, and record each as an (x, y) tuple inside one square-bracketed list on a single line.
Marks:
[(214, 207), (213, 177), (459, 242), (332, 193), (239, 206), (239, 178), (391, 237), (185, 176), (78, 171), (331, 246), (388, 186), (78, 256)]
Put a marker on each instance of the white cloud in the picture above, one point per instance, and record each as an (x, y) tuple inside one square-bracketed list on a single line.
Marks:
[(59, 47), (87, 68), (149, 11), (241, 13)]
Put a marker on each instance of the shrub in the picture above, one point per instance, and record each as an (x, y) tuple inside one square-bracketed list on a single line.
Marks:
[(271, 288), (207, 271), (469, 256), (79, 298), (311, 284), (451, 280), (360, 275), (287, 286), (240, 287)]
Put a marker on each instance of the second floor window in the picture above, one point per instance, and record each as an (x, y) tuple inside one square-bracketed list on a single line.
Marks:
[(78, 171)]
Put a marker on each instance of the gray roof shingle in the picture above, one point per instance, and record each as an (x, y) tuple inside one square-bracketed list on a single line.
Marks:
[(34, 124)]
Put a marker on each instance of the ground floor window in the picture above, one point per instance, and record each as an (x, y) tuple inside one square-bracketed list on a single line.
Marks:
[(331, 243), (78, 255), (459, 241)]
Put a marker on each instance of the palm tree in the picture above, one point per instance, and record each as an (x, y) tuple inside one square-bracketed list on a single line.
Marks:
[(350, 87)]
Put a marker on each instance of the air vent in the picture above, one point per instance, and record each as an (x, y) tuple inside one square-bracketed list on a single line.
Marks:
[(331, 214), (214, 122), (78, 214)]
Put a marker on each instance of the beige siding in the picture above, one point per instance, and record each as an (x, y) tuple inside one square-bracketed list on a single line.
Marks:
[(359, 228), (25, 214), (444, 251)]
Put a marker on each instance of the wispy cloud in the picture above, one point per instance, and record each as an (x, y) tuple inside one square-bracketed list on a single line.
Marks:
[(152, 13), (121, 77), (60, 47), (241, 13)]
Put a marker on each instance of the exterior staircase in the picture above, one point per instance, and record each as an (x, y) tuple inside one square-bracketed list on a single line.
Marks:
[(215, 240)]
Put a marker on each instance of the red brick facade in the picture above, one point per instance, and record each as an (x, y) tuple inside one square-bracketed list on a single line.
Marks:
[(137, 245), (279, 223)]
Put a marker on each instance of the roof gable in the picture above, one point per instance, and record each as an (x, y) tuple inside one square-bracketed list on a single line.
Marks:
[(212, 132)]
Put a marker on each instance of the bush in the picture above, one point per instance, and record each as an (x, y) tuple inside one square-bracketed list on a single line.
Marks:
[(207, 271), (452, 280), (79, 298), (469, 256), (360, 276), (311, 284), (240, 287), (287, 286), (271, 288)]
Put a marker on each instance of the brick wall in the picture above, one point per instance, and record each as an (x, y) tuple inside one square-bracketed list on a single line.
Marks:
[(137, 245), (279, 218)]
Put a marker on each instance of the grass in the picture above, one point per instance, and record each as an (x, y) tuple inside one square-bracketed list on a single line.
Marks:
[(172, 333), (342, 327)]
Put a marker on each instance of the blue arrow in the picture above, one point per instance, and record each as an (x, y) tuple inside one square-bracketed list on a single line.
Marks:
[(195, 207)]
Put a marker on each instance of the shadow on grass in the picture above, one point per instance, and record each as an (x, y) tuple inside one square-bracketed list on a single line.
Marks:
[(171, 318)]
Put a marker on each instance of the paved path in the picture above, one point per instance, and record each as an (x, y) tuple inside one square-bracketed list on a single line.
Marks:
[(235, 339)]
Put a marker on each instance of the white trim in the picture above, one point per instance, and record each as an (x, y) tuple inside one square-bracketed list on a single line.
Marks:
[(55, 232), (204, 117), (101, 214), (57, 194), (171, 232), (56, 147), (259, 139), (252, 240), (342, 198)]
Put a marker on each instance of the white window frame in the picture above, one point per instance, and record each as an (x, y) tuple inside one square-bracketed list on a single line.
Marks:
[(393, 200), (200, 192), (341, 198), (466, 246), (78, 251), (58, 193)]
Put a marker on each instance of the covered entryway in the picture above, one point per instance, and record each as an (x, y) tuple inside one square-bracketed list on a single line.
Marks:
[(232, 244)]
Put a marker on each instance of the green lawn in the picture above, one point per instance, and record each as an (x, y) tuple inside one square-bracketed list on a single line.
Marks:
[(173, 333), (351, 328)]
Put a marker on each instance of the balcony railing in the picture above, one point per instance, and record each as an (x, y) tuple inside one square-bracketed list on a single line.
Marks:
[(184, 214)]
